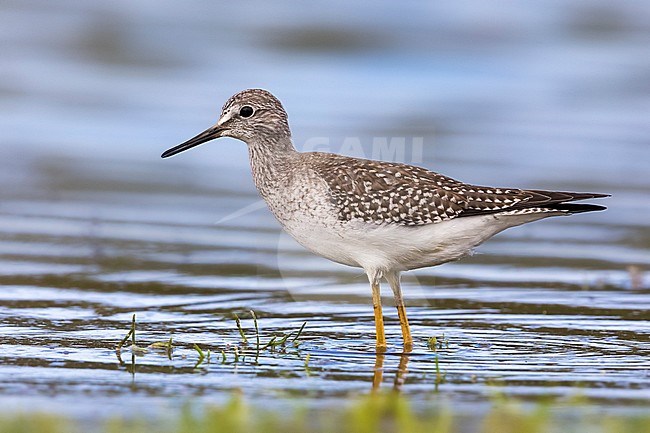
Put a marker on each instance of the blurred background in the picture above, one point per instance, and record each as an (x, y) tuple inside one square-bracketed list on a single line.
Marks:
[(95, 226)]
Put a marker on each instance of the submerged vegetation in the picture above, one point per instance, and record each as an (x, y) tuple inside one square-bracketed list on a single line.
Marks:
[(380, 412), (280, 341)]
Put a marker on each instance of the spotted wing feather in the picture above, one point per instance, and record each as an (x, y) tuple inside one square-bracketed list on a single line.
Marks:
[(383, 192)]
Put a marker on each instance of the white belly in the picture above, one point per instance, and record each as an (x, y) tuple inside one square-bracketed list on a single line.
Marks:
[(399, 248)]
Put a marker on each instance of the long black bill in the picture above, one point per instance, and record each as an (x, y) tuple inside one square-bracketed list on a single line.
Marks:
[(207, 135)]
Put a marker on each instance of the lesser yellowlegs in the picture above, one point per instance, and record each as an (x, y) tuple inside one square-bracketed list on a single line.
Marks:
[(383, 217)]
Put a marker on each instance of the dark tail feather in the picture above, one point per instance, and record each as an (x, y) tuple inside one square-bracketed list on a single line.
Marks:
[(548, 197), (559, 200), (576, 207), (540, 199)]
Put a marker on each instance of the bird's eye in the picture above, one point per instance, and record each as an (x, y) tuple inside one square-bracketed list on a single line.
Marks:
[(246, 111)]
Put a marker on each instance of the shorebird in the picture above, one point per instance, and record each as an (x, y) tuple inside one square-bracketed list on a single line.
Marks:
[(383, 217)]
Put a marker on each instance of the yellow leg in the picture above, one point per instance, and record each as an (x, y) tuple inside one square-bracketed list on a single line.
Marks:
[(406, 330), (379, 317), (393, 280)]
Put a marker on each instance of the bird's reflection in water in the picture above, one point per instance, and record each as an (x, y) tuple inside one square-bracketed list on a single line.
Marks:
[(400, 375)]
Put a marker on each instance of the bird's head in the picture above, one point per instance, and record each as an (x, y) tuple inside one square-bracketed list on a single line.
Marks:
[(252, 115)]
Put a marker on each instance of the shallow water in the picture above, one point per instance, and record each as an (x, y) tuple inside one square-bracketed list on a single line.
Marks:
[(94, 226)]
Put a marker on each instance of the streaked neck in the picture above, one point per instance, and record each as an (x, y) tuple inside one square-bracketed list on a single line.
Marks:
[(270, 161)]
